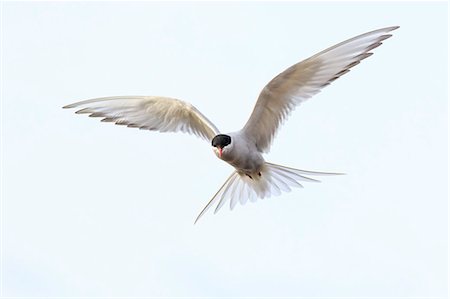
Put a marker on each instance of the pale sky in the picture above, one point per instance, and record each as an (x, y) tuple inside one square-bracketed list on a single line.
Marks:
[(92, 209)]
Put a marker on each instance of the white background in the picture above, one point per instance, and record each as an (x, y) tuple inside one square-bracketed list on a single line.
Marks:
[(92, 209)]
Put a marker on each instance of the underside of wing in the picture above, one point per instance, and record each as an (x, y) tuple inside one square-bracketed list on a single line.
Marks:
[(149, 113), (303, 80)]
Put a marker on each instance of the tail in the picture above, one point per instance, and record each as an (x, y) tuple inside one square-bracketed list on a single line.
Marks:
[(274, 180)]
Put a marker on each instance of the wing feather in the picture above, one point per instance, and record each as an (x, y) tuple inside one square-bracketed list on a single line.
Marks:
[(149, 113), (303, 80)]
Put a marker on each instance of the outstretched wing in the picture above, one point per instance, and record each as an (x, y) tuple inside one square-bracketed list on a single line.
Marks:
[(303, 80), (149, 113)]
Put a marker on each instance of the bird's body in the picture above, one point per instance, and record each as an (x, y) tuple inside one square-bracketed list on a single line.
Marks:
[(253, 177), (242, 155)]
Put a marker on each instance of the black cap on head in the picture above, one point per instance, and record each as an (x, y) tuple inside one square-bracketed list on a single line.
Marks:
[(221, 140)]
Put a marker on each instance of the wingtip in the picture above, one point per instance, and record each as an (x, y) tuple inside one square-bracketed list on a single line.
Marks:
[(392, 28), (73, 105)]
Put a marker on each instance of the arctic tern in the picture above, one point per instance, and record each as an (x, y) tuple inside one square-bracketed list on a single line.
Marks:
[(253, 177)]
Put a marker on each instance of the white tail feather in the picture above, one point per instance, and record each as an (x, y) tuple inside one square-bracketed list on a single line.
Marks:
[(274, 180)]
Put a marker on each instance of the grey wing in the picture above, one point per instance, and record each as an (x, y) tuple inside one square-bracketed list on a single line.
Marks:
[(149, 113), (303, 80)]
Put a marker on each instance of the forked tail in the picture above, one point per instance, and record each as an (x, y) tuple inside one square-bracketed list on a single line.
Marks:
[(274, 180)]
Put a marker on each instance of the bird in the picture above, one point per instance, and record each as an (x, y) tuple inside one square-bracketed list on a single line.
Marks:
[(253, 177)]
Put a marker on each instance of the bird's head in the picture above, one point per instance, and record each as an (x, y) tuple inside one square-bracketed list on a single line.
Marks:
[(219, 143)]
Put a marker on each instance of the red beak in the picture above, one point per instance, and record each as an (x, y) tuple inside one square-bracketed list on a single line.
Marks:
[(220, 152)]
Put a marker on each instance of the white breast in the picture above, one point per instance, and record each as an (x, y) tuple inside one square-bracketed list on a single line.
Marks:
[(242, 155)]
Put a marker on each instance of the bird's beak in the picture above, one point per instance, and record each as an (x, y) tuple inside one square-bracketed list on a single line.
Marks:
[(220, 152)]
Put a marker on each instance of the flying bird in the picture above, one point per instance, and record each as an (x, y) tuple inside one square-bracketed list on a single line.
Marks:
[(253, 177)]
